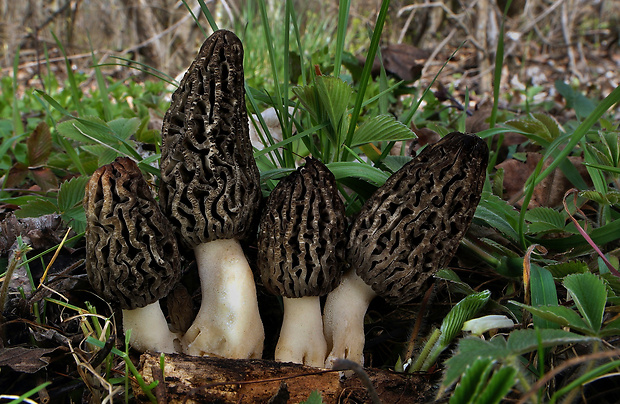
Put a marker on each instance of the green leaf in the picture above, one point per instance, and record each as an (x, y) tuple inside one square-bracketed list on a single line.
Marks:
[(590, 296), (600, 235), (36, 208), (71, 193), (314, 398), (532, 128), (560, 315), (334, 95), (545, 219), (566, 268), (476, 375), (76, 218), (609, 169), (348, 169), (550, 123), (395, 163), (543, 292), (575, 100), (611, 197), (469, 350), (497, 214), (124, 127), (524, 341), (460, 313), (500, 384), (456, 282), (381, 128)]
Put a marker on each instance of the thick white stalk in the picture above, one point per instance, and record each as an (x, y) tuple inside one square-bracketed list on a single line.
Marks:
[(343, 319), (228, 323), (149, 330), (301, 337)]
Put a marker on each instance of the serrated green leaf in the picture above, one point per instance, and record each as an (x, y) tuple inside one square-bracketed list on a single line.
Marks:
[(560, 315), (124, 127), (500, 384), (566, 268), (76, 218), (590, 296), (381, 128), (335, 96), (36, 208), (544, 219), (611, 197), (464, 310), (75, 130), (475, 376), (534, 129), (469, 350), (71, 193), (550, 123)]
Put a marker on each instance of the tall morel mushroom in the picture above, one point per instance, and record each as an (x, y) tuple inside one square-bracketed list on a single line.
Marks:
[(210, 191), (301, 245), (407, 230), (132, 259)]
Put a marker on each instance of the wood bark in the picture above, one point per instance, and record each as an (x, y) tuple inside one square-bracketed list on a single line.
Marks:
[(193, 379)]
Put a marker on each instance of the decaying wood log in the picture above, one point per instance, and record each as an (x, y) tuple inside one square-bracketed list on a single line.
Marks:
[(220, 380)]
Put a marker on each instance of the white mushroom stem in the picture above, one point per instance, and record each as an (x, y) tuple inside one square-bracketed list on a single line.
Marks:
[(228, 323), (343, 319), (301, 337), (149, 330)]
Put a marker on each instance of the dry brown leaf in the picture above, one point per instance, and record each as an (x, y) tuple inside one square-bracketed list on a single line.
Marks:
[(25, 360)]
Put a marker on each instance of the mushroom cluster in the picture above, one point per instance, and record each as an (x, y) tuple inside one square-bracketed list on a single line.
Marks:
[(407, 230), (132, 259), (301, 256), (210, 195), (210, 191)]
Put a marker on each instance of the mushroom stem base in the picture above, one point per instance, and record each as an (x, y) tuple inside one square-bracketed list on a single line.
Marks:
[(343, 319), (301, 337), (149, 330), (228, 323)]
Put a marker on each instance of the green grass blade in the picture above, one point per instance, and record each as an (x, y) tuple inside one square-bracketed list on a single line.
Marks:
[(103, 88), (75, 93), (543, 292), (18, 127), (365, 78), (207, 14), (343, 18), (408, 116), (29, 393)]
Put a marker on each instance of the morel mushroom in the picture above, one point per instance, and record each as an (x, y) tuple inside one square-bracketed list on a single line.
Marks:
[(132, 259), (407, 230), (301, 245), (210, 191)]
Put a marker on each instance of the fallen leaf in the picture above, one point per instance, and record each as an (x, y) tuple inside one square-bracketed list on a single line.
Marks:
[(25, 360)]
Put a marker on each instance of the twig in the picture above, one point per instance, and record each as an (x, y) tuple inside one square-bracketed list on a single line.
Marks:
[(345, 364)]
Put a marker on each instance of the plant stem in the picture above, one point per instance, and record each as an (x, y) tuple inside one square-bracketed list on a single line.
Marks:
[(16, 257)]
